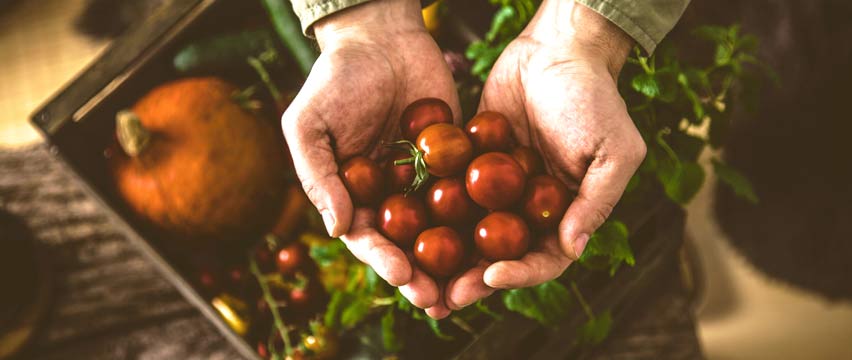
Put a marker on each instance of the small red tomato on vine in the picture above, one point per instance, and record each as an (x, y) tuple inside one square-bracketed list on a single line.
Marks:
[(439, 251), (502, 236), (421, 114), (495, 181), (490, 131), (545, 201), (291, 258), (401, 219), (363, 178)]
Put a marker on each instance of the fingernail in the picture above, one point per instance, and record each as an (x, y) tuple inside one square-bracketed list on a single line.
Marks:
[(580, 244), (328, 221)]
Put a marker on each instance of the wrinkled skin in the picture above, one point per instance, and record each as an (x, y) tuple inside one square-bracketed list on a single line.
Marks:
[(556, 86)]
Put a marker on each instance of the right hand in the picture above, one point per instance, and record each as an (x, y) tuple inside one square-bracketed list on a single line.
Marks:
[(376, 59)]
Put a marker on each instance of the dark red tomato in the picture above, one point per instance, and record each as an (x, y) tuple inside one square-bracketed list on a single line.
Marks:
[(291, 258), (399, 177), (490, 131), (502, 236), (300, 297), (495, 181), (545, 201), (363, 178), (422, 113), (439, 251), (529, 160), (401, 218), (449, 204), (446, 149)]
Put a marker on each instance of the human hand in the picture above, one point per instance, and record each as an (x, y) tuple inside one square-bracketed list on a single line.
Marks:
[(376, 59), (556, 83)]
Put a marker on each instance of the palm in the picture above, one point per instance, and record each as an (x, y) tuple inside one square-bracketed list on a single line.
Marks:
[(350, 105)]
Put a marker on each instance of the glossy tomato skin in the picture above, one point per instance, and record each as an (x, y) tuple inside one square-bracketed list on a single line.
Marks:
[(446, 149), (490, 131), (363, 178), (291, 258), (401, 218), (529, 160), (449, 204), (399, 177), (422, 113), (545, 201), (495, 181), (502, 236), (439, 251)]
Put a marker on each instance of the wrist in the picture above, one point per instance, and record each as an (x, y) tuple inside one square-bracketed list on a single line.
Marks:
[(369, 20), (582, 32)]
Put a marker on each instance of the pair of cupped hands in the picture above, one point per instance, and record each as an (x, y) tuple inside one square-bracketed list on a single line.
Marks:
[(556, 83)]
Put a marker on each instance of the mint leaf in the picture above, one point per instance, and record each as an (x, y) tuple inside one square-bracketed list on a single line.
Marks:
[(681, 182), (645, 84), (595, 330), (737, 181), (609, 242), (546, 303), (713, 33), (522, 301)]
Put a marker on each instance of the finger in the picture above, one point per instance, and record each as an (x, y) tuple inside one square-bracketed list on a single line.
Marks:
[(536, 267), (467, 288), (366, 244), (438, 312), (315, 164), (421, 291), (600, 189)]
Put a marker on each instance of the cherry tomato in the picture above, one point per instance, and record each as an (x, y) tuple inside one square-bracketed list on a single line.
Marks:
[(449, 204), (401, 218), (529, 160), (422, 113), (399, 177), (490, 131), (545, 201), (446, 149), (495, 180), (291, 257), (363, 178), (502, 236), (439, 251)]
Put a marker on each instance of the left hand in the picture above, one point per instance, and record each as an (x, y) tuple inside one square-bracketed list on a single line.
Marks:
[(556, 83)]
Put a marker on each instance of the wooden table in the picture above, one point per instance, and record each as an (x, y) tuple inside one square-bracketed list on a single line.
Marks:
[(110, 303)]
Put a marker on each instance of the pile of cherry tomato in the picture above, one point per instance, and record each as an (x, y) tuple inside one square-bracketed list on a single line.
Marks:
[(455, 195)]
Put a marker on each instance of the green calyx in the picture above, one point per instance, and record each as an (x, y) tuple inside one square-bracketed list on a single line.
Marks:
[(421, 172)]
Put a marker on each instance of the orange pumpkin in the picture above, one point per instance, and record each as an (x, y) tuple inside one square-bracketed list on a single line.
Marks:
[(198, 165)]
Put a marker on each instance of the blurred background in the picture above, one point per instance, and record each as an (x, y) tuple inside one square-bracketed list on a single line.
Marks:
[(771, 280)]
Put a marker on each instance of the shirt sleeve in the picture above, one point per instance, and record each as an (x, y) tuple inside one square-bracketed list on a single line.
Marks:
[(646, 21), (309, 11)]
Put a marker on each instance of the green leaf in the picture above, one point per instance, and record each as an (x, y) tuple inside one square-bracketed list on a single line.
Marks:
[(687, 147), (554, 299), (645, 84), (522, 301), (327, 253), (333, 309), (682, 185), (354, 312), (436, 329), (724, 53), (737, 181), (595, 330), (610, 242), (713, 33), (389, 339), (692, 96)]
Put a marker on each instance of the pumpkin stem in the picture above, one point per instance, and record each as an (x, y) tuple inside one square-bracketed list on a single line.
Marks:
[(132, 135)]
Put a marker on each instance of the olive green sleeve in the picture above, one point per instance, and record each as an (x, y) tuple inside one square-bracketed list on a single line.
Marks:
[(309, 11), (646, 21)]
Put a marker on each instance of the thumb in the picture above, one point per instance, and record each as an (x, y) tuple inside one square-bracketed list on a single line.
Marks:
[(600, 190), (314, 161)]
